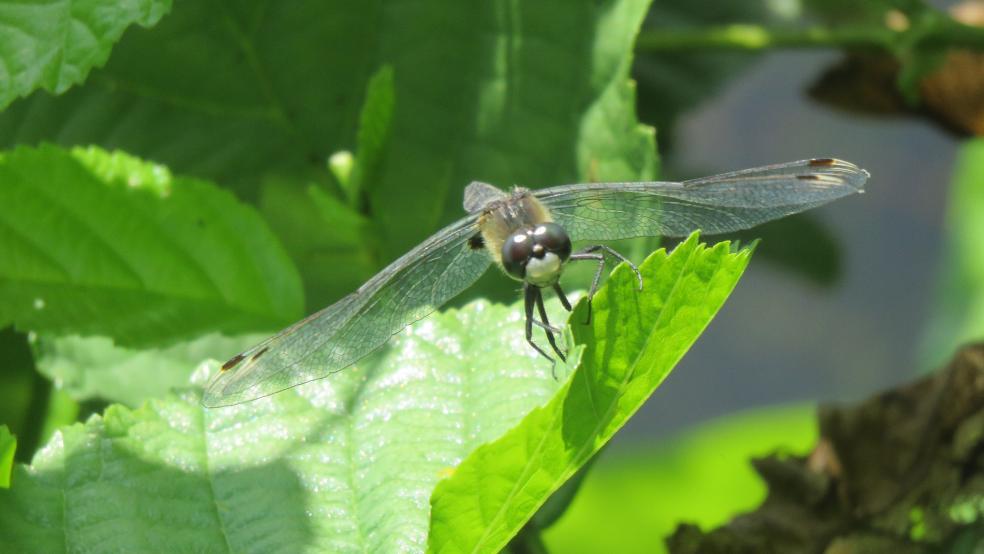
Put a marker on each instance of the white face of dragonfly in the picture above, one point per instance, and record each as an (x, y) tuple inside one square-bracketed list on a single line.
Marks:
[(536, 254), (543, 271)]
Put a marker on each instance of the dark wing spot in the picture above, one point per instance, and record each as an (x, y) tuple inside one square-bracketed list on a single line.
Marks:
[(808, 177), (260, 353), (476, 242), (821, 162), (233, 362)]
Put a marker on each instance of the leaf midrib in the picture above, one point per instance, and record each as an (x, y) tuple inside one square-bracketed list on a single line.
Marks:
[(111, 248), (210, 477)]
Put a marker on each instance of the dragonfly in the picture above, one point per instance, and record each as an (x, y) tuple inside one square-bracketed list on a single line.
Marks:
[(528, 234)]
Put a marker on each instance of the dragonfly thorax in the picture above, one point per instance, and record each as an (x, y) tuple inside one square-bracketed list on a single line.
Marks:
[(536, 254)]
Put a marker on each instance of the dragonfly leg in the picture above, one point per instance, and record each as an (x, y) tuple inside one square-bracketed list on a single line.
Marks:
[(614, 253), (597, 277), (531, 293), (563, 297), (550, 336), (590, 253), (563, 300), (546, 326)]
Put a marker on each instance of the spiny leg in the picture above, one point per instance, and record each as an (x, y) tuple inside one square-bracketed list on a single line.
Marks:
[(589, 254), (550, 336), (613, 253), (530, 295), (597, 277), (546, 327)]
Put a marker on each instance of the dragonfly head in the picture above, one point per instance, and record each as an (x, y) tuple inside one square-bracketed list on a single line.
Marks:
[(536, 254)]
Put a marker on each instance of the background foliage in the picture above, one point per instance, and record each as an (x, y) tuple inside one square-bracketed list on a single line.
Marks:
[(178, 181)]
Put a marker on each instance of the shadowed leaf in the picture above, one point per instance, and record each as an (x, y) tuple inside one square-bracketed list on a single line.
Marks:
[(103, 243)]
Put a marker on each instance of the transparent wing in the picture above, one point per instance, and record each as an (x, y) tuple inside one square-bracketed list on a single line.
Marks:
[(718, 204), (479, 194), (336, 337)]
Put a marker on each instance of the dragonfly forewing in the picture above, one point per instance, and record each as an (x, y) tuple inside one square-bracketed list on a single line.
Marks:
[(336, 337), (450, 261), (478, 195)]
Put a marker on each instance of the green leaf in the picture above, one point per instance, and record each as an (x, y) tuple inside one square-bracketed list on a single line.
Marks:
[(533, 93), (323, 235), (633, 342), (634, 498), (375, 127), (345, 463), (54, 45), (94, 368), (958, 313), (102, 243), (8, 445), (339, 465)]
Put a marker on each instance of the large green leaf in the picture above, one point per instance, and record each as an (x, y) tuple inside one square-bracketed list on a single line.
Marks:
[(102, 243), (630, 347), (94, 368), (703, 476), (54, 45), (533, 93), (958, 315), (346, 463)]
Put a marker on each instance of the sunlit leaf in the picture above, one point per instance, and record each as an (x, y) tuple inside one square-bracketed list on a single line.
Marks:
[(8, 445), (633, 343), (345, 464), (94, 368)]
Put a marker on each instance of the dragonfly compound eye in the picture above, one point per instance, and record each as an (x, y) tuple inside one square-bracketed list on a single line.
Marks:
[(554, 239), (516, 251)]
